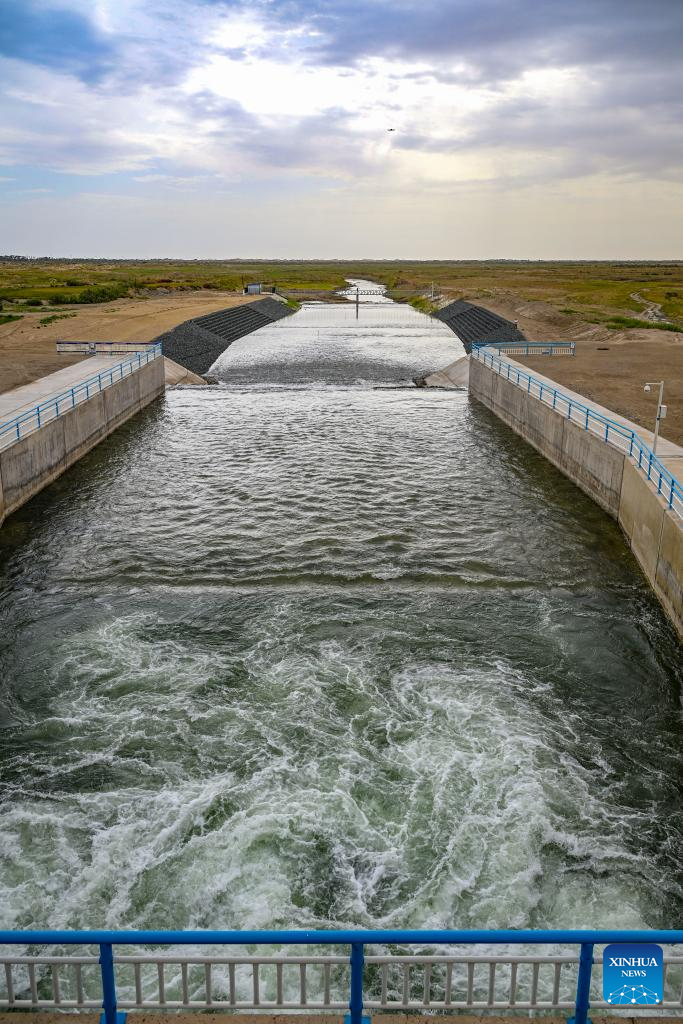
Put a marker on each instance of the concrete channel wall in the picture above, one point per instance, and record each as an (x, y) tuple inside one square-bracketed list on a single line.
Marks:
[(653, 531), (40, 457)]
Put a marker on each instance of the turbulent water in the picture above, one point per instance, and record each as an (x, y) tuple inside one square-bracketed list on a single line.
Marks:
[(297, 652)]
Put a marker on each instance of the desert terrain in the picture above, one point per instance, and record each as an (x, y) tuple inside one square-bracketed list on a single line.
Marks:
[(610, 367), (28, 350)]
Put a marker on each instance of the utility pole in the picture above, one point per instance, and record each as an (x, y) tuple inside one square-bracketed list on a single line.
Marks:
[(661, 409)]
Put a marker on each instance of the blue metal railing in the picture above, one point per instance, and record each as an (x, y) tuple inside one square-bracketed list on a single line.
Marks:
[(32, 419), (617, 434), (586, 940)]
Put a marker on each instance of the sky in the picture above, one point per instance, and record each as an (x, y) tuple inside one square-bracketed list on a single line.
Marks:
[(523, 129)]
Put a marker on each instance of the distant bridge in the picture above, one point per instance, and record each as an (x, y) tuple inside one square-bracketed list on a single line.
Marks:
[(363, 291)]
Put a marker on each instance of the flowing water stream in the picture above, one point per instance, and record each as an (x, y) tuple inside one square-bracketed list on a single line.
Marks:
[(303, 649)]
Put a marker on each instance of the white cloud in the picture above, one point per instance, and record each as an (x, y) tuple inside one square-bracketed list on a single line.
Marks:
[(199, 98)]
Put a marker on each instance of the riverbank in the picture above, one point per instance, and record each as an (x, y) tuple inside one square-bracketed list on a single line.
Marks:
[(610, 367), (28, 350), (616, 475)]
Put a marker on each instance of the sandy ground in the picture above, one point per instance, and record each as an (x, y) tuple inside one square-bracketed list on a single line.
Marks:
[(610, 367), (28, 351)]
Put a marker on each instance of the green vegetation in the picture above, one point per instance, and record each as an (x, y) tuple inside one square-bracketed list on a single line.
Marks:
[(97, 293), (55, 316), (583, 290), (422, 304), (618, 323), (7, 318)]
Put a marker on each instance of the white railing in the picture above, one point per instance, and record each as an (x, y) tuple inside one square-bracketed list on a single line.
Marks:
[(103, 348)]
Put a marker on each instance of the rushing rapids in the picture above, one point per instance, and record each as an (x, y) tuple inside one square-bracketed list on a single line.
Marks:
[(301, 651)]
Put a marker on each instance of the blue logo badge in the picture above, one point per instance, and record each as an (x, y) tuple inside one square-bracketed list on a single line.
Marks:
[(633, 972)]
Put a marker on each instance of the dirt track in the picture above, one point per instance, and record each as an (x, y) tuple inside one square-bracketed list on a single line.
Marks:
[(28, 351), (609, 367)]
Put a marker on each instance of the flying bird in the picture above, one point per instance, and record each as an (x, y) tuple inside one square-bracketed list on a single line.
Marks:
[(391, 129)]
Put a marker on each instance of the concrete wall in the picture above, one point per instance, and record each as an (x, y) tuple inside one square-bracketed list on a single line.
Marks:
[(654, 533), (39, 458)]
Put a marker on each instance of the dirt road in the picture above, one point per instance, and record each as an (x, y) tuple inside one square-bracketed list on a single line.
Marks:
[(28, 351)]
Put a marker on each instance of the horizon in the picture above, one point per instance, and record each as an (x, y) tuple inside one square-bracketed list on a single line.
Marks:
[(9, 257)]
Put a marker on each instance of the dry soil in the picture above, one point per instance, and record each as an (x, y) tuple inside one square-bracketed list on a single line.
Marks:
[(610, 367), (28, 351)]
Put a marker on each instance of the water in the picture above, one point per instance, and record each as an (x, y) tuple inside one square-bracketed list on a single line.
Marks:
[(304, 651)]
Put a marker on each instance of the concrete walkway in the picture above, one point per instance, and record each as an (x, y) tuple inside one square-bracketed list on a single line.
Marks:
[(29, 395), (667, 452)]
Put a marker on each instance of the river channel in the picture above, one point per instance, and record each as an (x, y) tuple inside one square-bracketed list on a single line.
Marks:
[(314, 648)]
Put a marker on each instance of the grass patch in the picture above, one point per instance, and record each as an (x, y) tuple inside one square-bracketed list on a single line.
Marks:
[(618, 323), (55, 316), (422, 305), (98, 293), (7, 318), (568, 311)]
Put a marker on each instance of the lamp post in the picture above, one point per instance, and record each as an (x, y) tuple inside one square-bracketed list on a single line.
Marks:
[(661, 408)]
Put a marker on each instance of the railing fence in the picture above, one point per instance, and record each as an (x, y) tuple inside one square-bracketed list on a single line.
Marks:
[(616, 434), (33, 419), (362, 981)]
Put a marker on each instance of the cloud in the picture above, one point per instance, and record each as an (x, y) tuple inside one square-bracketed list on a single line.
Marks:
[(201, 96), (493, 40)]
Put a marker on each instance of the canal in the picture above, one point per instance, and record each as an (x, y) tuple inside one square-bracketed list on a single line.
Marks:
[(314, 648)]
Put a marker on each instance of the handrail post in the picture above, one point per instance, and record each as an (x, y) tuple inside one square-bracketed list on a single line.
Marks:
[(110, 1015), (583, 985), (356, 1000)]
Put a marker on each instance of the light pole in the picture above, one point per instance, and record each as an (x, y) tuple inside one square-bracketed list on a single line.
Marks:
[(661, 408)]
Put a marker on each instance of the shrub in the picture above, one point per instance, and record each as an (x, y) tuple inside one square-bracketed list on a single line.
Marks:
[(101, 293), (618, 323), (44, 321)]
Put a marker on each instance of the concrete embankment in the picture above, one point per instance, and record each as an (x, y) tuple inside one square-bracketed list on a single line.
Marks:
[(455, 375), (175, 374), (605, 473), (66, 431)]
